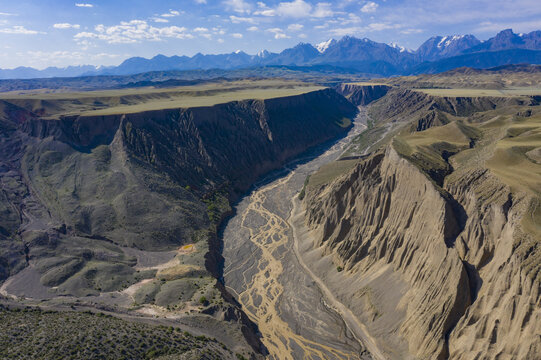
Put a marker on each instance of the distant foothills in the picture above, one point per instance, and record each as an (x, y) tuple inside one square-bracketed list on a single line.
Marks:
[(349, 54)]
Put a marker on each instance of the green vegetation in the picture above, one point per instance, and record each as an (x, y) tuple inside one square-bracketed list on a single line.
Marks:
[(344, 122), (217, 205), (302, 193), (36, 334), (330, 171), (365, 139), (339, 268), (482, 92)]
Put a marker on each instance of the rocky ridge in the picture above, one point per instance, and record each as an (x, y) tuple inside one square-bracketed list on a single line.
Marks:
[(122, 209), (438, 263)]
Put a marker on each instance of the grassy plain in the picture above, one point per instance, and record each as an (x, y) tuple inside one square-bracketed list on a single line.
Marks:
[(133, 100), (464, 92)]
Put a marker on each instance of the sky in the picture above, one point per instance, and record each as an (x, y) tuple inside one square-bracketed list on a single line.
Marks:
[(42, 33)]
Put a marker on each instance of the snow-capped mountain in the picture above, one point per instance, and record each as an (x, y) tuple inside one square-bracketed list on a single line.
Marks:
[(507, 39), (400, 48), (439, 53), (323, 46), (263, 54), (438, 47)]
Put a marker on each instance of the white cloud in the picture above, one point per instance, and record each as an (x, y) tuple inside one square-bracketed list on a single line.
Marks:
[(237, 35), (295, 27), (278, 33), (17, 29), (356, 30), (133, 31), (201, 29), (296, 9), (323, 10), (220, 41), (239, 6), (346, 31), (200, 1), (411, 31), (6, 14), (253, 28), (66, 26), (382, 26), (206, 35), (369, 7), (160, 20), (171, 13), (84, 5), (238, 19), (519, 26)]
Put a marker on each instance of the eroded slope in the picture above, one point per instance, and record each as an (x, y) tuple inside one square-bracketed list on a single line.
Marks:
[(121, 210), (437, 233)]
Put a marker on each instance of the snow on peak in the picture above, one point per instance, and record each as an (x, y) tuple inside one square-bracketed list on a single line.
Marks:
[(323, 46), (448, 40), (263, 53), (399, 47)]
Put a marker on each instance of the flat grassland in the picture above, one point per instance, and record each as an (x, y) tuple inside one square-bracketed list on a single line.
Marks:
[(464, 92), (134, 100), (367, 83)]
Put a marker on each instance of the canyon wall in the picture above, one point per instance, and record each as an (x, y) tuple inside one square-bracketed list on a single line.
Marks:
[(435, 266), (362, 94)]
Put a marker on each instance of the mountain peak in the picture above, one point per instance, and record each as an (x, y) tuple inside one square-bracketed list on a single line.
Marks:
[(400, 48), (438, 47), (263, 54), (323, 46)]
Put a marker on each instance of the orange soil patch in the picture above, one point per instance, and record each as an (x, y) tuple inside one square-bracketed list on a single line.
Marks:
[(186, 249)]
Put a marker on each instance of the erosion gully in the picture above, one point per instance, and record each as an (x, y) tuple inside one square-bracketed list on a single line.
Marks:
[(296, 315)]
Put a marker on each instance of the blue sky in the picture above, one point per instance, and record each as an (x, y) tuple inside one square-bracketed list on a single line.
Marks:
[(43, 33)]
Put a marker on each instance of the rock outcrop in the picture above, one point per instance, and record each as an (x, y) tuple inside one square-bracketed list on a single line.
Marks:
[(362, 94), (86, 200), (443, 266), (385, 214)]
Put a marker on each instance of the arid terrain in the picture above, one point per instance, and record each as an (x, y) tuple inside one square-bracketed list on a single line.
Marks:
[(391, 219), (423, 237), (111, 200)]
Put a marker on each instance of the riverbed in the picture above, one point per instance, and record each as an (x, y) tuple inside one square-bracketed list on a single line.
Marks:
[(295, 316)]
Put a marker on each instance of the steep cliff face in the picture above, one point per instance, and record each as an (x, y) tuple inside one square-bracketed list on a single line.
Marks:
[(384, 215), (93, 205), (440, 264), (362, 94), (403, 105), (96, 173), (503, 263)]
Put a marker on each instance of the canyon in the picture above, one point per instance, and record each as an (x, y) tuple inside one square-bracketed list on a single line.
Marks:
[(388, 219)]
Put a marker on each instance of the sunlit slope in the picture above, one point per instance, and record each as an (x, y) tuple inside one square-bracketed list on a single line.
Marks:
[(435, 233), (133, 100)]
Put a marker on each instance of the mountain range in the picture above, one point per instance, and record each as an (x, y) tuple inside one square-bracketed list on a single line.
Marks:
[(437, 54)]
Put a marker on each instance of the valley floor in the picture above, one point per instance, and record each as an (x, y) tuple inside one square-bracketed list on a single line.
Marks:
[(297, 317)]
